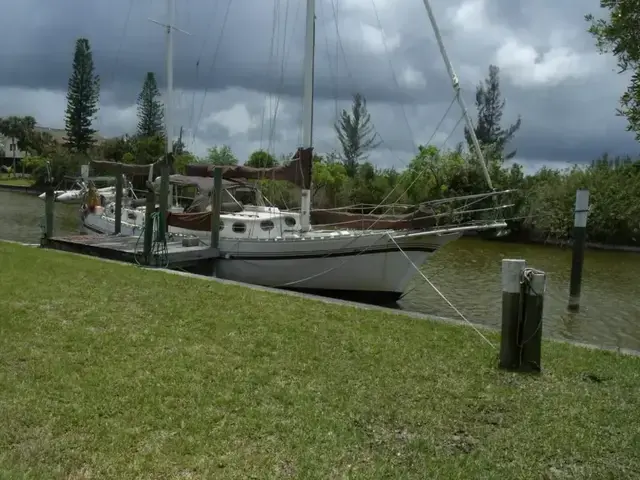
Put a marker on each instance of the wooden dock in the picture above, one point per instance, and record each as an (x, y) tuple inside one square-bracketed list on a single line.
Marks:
[(130, 250)]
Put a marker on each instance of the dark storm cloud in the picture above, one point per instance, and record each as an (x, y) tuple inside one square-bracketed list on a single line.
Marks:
[(571, 120), (205, 59)]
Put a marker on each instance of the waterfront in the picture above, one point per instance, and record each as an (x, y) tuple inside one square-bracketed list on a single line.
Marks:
[(466, 271)]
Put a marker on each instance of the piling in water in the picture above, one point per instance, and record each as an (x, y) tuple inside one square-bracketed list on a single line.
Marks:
[(579, 241), (49, 201)]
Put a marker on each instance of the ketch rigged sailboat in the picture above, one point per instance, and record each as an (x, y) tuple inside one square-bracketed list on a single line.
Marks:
[(264, 245)]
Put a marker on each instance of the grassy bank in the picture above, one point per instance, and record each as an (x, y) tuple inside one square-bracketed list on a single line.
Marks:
[(6, 179), (109, 371)]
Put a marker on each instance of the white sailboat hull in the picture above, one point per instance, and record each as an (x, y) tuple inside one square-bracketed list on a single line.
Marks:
[(355, 264)]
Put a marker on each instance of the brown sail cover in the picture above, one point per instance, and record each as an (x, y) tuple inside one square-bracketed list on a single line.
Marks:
[(411, 221), (191, 221), (417, 220), (297, 171), (108, 166)]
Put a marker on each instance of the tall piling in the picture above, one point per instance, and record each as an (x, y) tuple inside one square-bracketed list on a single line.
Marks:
[(579, 243)]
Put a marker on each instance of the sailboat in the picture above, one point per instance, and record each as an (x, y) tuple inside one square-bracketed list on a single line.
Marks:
[(264, 245), (77, 192)]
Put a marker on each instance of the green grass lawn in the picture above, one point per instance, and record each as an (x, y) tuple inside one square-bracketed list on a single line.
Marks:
[(6, 179), (111, 371)]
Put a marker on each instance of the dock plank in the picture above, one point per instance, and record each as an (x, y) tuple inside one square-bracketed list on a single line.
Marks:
[(129, 249)]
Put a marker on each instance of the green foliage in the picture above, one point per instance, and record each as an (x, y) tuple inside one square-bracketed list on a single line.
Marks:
[(137, 150), (261, 159), (180, 161), (150, 109), (617, 33), (329, 178), (82, 99), (356, 134), (489, 102), (222, 155), (61, 163)]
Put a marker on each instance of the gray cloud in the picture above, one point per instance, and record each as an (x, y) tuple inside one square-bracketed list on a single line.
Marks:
[(551, 75)]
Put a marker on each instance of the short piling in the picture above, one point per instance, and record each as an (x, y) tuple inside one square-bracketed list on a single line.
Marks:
[(512, 270), (579, 242), (531, 330)]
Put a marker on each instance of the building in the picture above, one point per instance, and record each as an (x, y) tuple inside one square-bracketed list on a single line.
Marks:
[(9, 145)]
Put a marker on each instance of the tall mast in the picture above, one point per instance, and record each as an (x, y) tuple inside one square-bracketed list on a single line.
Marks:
[(307, 107), (456, 88), (171, 14), (164, 171)]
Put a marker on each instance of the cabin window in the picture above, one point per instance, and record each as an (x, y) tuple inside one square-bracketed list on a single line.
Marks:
[(239, 227), (267, 225), (221, 226), (290, 221), (131, 215)]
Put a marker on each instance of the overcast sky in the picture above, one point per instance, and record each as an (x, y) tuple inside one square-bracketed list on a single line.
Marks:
[(241, 67)]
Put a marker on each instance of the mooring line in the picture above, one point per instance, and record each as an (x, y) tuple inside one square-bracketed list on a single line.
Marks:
[(489, 342)]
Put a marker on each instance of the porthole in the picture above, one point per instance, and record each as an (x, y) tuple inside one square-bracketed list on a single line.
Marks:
[(290, 221), (221, 227), (266, 225), (239, 227)]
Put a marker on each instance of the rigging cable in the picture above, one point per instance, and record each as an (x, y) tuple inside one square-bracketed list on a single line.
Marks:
[(393, 73), (123, 34), (213, 61), (202, 47), (489, 342)]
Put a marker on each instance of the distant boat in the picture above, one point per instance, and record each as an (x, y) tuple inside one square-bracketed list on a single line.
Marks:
[(76, 194)]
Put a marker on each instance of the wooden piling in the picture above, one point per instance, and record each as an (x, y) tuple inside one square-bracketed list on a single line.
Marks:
[(150, 208), (511, 312), (118, 213), (163, 201), (50, 199), (531, 330), (216, 204), (579, 241)]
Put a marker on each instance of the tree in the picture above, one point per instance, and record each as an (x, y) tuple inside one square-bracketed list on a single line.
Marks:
[(261, 159), (220, 156), (20, 130), (617, 34), (356, 134), (488, 129), (82, 99), (328, 177), (150, 108)]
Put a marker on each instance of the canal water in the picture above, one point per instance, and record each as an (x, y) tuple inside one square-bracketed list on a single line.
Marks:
[(466, 271)]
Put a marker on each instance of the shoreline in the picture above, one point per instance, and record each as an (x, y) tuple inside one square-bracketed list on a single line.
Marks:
[(358, 305), (27, 189), (563, 244)]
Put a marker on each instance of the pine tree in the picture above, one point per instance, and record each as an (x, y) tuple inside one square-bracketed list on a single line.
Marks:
[(356, 134), (82, 99), (490, 106), (150, 108)]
